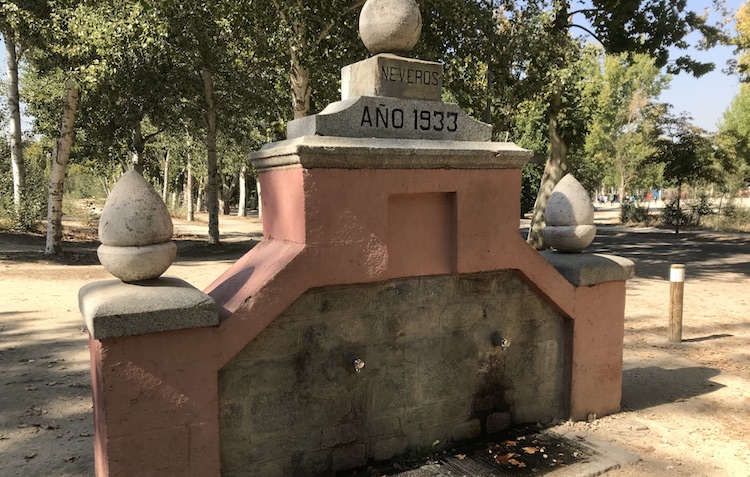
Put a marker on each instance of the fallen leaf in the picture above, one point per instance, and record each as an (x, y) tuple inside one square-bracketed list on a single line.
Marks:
[(460, 456), (516, 463), (531, 450), (504, 459)]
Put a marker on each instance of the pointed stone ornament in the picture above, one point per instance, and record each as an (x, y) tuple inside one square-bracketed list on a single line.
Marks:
[(135, 229), (569, 217), (390, 26)]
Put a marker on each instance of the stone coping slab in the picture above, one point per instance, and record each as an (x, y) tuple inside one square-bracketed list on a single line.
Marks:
[(583, 269), (326, 152), (396, 118), (113, 309)]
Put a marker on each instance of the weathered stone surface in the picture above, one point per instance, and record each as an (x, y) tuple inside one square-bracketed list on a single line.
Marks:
[(134, 214), (133, 264), (569, 217), (329, 152), (390, 25), (348, 457), (424, 371), (569, 238), (383, 449), (569, 204), (135, 230), (498, 421), (393, 118), (113, 309), (591, 268), (467, 430), (394, 76), (343, 434)]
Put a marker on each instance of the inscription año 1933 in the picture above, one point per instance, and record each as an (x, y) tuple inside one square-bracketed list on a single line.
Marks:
[(417, 119)]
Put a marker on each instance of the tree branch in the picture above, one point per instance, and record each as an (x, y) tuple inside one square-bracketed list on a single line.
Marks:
[(574, 25), (284, 16), (327, 29), (148, 137), (585, 10)]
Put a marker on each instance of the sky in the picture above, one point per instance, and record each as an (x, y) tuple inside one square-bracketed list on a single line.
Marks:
[(705, 99)]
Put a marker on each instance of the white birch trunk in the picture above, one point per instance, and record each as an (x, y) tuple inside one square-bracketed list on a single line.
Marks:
[(14, 105), (190, 215), (165, 189), (301, 88), (242, 207), (60, 156)]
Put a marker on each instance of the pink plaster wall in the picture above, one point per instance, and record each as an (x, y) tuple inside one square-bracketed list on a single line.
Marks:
[(155, 395)]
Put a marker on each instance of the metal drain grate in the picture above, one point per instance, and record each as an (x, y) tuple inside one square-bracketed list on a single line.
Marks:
[(522, 453)]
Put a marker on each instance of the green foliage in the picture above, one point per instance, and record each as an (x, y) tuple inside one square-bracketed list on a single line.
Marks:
[(686, 152), (632, 212), (675, 214), (33, 208), (530, 178)]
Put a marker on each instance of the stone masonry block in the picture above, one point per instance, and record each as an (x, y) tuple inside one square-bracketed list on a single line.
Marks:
[(455, 409), (262, 377), (271, 469), (393, 388), (304, 306), (397, 295), (435, 291), (382, 449), (467, 430), (381, 355), (421, 417), (472, 286), (343, 434), (411, 324), (362, 328), (383, 426), (498, 421), (348, 457), (461, 316), (272, 412), (278, 339), (509, 284), (315, 463), (446, 378), (338, 300)]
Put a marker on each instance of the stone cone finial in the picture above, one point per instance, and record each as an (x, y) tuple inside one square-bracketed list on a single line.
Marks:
[(390, 26), (135, 229), (569, 217)]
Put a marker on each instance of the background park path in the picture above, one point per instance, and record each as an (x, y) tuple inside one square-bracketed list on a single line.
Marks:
[(686, 407)]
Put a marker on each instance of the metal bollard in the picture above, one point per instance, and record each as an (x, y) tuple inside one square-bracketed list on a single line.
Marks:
[(676, 295)]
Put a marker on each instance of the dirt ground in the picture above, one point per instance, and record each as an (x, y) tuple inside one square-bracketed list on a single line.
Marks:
[(686, 407)]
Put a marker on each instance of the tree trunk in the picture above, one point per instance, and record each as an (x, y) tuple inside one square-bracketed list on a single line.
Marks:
[(212, 187), (189, 190), (554, 170), (139, 145), (242, 207), (14, 105), (301, 88), (227, 192), (57, 175), (165, 189), (678, 219)]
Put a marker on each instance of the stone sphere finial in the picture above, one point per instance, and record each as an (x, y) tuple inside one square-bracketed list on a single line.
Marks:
[(390, 26), (569, 217), (135, 229)]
